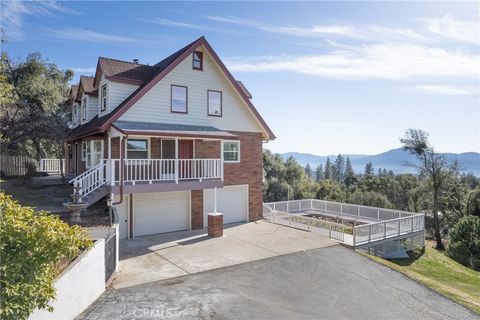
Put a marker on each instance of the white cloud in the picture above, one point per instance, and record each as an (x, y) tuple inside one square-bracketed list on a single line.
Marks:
[(447, 90), (450, 28), (378, 61), (84, 70), (171, 23), (13, 12), (88, 36)]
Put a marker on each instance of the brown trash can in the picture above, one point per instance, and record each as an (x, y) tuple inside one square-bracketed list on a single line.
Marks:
[(215, 224)]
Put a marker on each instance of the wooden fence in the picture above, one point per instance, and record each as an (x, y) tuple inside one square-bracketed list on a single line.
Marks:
[(14, 165)]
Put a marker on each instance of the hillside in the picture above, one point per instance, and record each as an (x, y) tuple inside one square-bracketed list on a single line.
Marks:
[(394, 160)]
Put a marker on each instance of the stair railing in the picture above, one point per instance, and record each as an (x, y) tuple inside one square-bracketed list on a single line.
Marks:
[(92, 179)]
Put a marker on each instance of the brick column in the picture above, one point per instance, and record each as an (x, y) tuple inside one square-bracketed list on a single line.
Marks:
[(215, 224)]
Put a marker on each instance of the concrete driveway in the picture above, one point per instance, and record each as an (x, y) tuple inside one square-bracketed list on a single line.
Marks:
[(164, 256), (326, 283)]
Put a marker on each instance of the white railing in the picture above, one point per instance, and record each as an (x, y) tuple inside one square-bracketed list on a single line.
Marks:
[(51, 165), (150, 170), (92, 179), (385, 223)]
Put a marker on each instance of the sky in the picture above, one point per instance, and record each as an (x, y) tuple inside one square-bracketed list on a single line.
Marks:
[(328, 77)]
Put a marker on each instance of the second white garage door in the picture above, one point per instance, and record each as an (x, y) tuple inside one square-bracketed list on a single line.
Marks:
[(161, 212), (232, 201)]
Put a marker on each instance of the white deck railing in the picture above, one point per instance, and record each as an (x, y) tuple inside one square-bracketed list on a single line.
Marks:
[(381, 223), (151, 170), (92, 179), (51, 165)]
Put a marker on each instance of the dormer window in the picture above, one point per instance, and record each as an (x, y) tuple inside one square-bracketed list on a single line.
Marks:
[(197, 60), (103, 102), (84, 109)]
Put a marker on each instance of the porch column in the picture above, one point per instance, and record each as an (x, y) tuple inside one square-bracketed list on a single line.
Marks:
[(221, 159), (176, 160)]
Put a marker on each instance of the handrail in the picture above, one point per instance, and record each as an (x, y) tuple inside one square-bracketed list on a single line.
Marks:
[(51, 165), (92, 179)]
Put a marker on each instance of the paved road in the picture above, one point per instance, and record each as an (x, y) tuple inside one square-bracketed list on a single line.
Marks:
[(327, 283)]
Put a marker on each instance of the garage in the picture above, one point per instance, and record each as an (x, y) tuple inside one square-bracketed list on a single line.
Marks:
[(232, 201), (160, 212)]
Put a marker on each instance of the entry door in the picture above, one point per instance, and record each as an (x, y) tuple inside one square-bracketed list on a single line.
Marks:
[(185, 151)]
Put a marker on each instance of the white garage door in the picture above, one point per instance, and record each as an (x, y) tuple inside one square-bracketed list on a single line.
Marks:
[(232, 201), (160, 212)]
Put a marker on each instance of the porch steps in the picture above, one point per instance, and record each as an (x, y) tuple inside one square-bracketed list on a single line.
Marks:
[(96, 195)]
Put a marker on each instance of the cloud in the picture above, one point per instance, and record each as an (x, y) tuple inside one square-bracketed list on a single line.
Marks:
[(447, 90), (88, 36), (84, 70), (13, 13), (171, 23), (450, 28), (376, 61)]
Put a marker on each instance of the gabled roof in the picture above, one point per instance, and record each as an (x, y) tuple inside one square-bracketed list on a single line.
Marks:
[(124, 71), (86, 85), (161, 70), (73, 91)]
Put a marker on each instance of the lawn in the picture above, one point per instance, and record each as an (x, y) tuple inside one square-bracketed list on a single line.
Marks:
[(442, 274)]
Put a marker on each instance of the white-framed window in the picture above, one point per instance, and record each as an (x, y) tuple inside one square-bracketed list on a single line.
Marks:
[(92, 152), (231, 151), (179, 97), (197, 60), (104, 95), (74, 115), (84, 150), (214, 101), (137, 149), (84, 109)]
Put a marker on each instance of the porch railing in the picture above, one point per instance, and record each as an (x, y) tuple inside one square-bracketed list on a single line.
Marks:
[(150, 170), (92, 179), (51, 165)]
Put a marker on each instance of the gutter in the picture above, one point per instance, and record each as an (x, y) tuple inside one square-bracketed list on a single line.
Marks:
[(122, 168)]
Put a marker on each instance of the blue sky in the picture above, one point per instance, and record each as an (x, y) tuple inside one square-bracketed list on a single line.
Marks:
[(328, 77)]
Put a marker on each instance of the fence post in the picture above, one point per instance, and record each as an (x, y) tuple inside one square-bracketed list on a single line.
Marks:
[(384, 230), (398, 226), (354, 234), (378, 214), (411, 218), (369, 233), (311, 204)]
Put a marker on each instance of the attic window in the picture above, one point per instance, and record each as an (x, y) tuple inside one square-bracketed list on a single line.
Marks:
[(197, 60)]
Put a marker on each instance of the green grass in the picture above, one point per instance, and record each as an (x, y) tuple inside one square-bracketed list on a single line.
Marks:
[(442, 274)]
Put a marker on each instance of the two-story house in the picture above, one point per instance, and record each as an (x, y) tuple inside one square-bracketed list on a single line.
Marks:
[(162, 140)]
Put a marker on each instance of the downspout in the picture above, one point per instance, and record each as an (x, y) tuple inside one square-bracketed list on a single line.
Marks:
[(122, 167)]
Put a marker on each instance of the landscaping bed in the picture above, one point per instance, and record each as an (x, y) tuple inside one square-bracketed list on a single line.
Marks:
[(440, 273)]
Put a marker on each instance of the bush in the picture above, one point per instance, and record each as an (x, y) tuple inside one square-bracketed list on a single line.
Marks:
[(31, 246), (370, 198), (464, 245)]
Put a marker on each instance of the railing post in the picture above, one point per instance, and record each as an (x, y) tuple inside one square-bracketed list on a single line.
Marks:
[(384, 230), (354, 234), (378, 214), (176, 170), (399, 226), (112, 172), (369, 233), (411, 219)]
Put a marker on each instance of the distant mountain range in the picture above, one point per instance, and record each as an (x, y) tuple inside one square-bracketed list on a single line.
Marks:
[(391, 160)]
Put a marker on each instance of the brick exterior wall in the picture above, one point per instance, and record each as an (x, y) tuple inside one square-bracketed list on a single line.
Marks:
[(197, 209), (248, 171)]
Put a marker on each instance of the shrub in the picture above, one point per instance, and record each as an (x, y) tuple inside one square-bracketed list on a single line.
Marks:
[(31, 245), (464, 245), (370, 198)]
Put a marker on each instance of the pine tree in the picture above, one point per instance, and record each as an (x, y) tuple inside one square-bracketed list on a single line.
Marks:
[(328, 169), (308, 171), (349, 173), (339, 169), (369, 170), (320, 174)]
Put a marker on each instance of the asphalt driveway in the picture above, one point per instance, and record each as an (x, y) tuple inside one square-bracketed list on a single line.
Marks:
[(327, 283)]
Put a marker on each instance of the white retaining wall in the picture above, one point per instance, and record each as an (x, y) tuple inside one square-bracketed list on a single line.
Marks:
[(78, 286)]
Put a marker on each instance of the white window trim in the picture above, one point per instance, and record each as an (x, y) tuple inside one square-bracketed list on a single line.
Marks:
[(239, 151), (84, 149), (105, 84), (138, 138), (84, 108), (91, 142)]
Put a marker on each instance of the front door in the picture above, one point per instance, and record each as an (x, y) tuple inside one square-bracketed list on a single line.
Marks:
[(185, 151)]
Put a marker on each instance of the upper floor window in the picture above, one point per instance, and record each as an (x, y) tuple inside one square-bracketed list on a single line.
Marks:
[(231, 151), (103, 103), (84, 109), (179, 97), (197, 62), (74, 116), (214, 103), (137, 149)]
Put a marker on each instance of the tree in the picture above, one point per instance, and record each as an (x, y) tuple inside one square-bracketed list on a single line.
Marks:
[(350, 178), (339, 169), (31, 244), (370, 198), (328, 169), (308, 171), (320, 174), (432, 165), (34, 117), (330, 190), (369, 170), (464, 244)]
